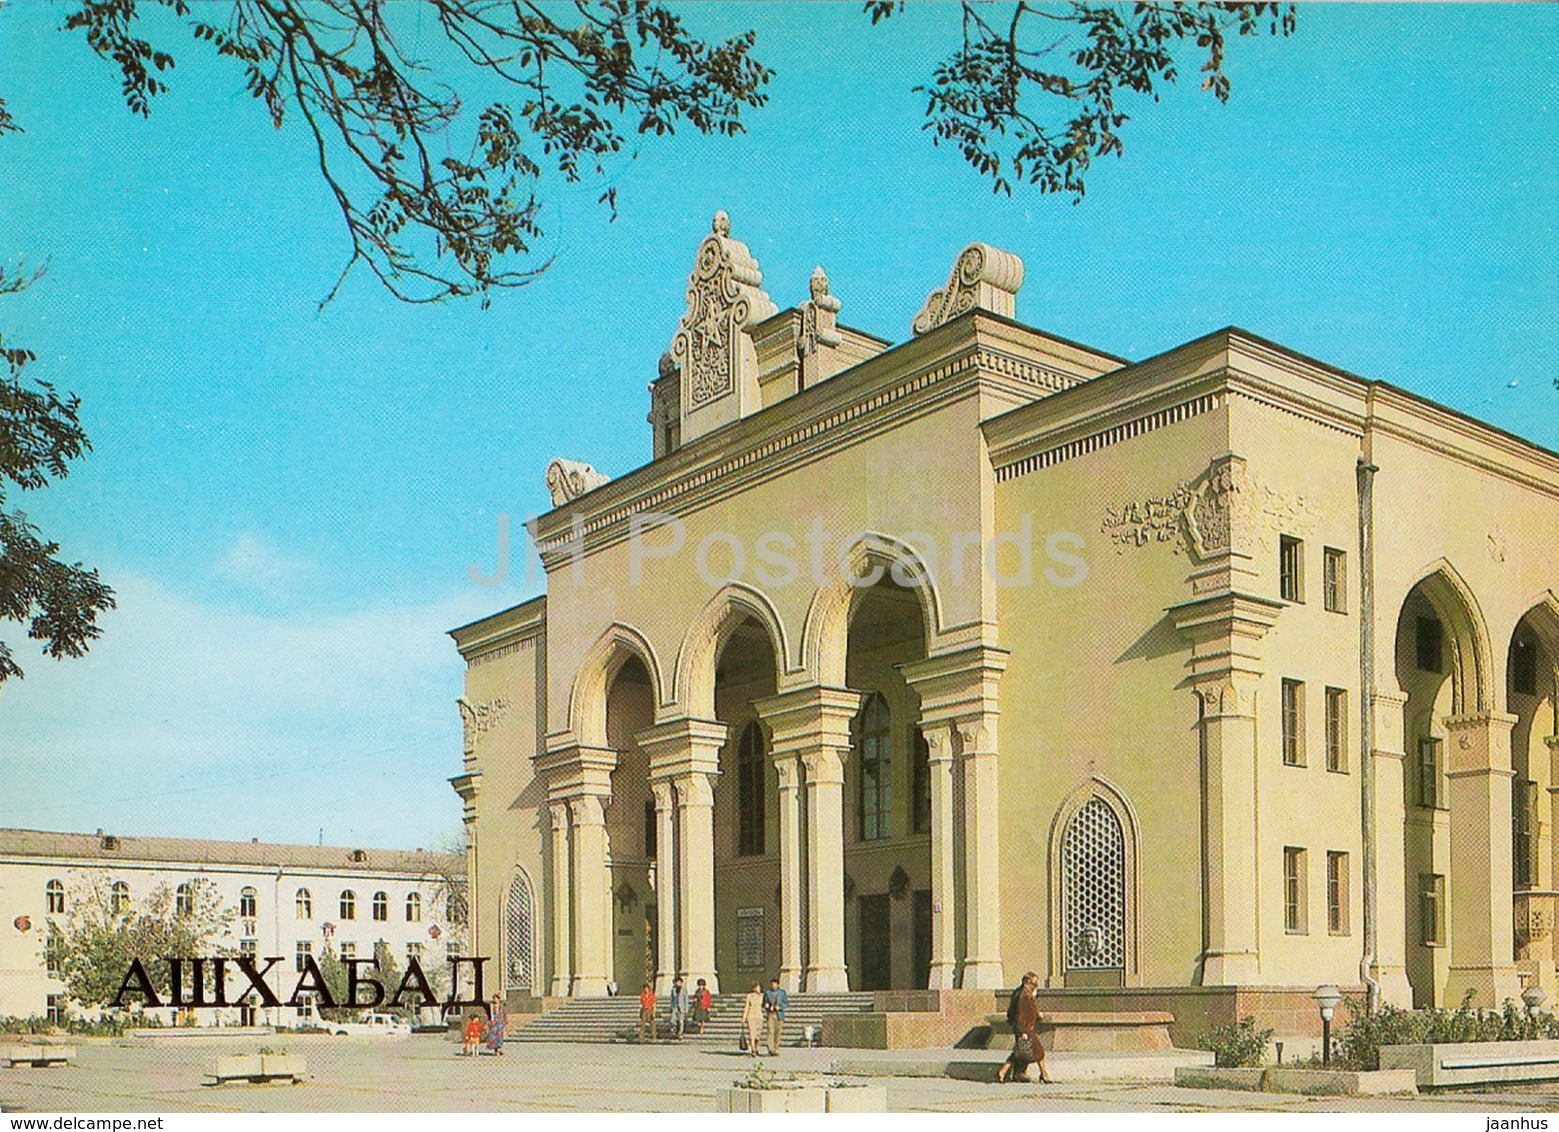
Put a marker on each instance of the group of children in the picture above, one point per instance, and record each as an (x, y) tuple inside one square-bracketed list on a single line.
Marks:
[(687, 1010)]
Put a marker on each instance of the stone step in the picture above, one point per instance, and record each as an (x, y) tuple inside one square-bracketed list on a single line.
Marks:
[(617, 1019)]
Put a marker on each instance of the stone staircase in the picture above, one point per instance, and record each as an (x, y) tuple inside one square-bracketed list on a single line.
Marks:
[(617, 1019)]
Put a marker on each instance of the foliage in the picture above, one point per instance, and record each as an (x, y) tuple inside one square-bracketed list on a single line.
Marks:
[(98, 940), (385, 127), (40, 434), (1358, 1046), (1237, 1046), (1074, 62), (1031, 94), (108, 1026), (759, 1077)]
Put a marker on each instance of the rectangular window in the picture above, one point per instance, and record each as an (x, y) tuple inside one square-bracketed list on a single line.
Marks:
[(1337, 893), (1293, 723), (1524, 808), (54, 1009), (306, 1007), (414, 951), (53, 954), (1335, 581), (1295, 912), (1429, 770), (1336, 729), (922, 784), (1523, 667), (349, 951), (1291, 566), (1428, 643), (1431, 909), (305, 949), (249, 948)]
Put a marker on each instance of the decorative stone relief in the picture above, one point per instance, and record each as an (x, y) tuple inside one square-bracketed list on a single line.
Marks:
[(982, 276), (1499, 546), (819, 325), (478, 719), (1221, 509), (569, 479), (723, 297)]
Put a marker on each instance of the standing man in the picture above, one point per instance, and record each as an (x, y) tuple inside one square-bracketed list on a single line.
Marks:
[(679, 1004), (775, 1003), (647, 1012)]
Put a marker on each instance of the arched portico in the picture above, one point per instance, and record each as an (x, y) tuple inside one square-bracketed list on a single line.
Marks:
[(1532, 697)]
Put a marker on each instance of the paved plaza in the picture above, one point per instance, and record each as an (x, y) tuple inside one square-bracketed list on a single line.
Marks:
[(423, 1074)]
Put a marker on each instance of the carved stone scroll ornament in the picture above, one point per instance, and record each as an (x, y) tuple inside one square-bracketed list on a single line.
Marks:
[(723, 297), (478, 719), (569, 479), (982, 276), (818, 316)]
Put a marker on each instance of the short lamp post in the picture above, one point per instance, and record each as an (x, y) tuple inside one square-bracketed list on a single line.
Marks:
[(1533, 996), (1326, 999)]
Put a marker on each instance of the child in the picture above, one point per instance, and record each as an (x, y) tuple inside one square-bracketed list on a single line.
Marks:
[(473, 1035)]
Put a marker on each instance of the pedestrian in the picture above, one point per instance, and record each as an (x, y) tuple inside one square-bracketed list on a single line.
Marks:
[(752, 1018), (497, 1023), (647, 1012), (679, 1007), (472, 1034), (702, 1000), (1023, 1013), (775, 1003)]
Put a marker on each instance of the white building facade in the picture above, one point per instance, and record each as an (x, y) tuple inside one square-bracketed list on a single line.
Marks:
[(285, 900)]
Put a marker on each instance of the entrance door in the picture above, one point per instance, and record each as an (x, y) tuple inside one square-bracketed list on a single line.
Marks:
[(922, 938), (876, 942)]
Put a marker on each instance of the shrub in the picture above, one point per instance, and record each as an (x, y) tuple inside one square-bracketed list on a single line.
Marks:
[(1358, 1046), (1237, 1046)]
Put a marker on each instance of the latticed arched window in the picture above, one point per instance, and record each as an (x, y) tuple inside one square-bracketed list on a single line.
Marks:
[(305, 905), (119, 898), (381, 906), (184, 900), (519, 934), (1093, 863), (348, 904), (248, 902), (749, 791), (414, 908), (875, 744), (54, 895)]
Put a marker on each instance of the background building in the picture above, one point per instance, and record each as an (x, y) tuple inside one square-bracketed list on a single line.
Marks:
[(287, 900), (1271, 648)]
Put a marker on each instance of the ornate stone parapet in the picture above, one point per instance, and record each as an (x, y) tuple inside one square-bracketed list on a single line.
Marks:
[(820, 339), (569, 479), (983, 277)]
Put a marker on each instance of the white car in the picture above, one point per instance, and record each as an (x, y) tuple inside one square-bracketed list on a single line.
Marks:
[(374, 1025)]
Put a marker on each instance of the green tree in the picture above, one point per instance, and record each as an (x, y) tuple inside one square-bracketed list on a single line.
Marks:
[(102, 932)]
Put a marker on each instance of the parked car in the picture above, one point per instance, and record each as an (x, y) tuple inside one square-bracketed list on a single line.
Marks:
[(374, 1025)]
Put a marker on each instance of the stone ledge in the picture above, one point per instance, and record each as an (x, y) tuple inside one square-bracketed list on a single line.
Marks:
[(39, 1055), (1453, 1064), (1313, 1082)]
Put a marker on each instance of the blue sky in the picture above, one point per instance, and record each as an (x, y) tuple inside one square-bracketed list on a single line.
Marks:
[(287, 500)]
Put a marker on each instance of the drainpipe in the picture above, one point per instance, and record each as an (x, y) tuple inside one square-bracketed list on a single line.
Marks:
[(1366, 475)]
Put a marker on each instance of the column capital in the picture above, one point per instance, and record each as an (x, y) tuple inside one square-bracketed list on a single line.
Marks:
[(824, 765), (957, 686), (683, 746), (694, 789), (1229, 694), (572, 769), (664, 797), (788, 769), (587, 809), (939, 741), (557, 814), (1224, 629), (808, 718)]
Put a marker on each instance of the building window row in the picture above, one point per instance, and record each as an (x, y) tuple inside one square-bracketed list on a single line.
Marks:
[(1291, 574), (1293, 726), (347, 906), (1296, 891)]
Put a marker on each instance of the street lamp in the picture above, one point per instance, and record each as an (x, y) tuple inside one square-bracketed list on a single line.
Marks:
[(1326, 999), (1533, 996)]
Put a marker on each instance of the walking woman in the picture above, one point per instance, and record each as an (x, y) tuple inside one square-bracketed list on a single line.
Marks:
[(752, 1017), (1026, 1046), (497, 1022)]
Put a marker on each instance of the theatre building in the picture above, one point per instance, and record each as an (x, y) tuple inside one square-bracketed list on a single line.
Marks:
[(923, 665)]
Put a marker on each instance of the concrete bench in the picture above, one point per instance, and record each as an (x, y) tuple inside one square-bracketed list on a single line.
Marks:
[(258, 1068), (1092, 1031), (38, 1056), (1475, 1063)]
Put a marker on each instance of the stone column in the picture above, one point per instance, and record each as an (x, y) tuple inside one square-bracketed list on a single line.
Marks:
[(562, 966), (696, 850), (591, 886), (1392, 882), (944, 918), (788, 770), (825, 869), (959, 703), (1480, 901), (812, 724), (666, 893), (1228, 724)]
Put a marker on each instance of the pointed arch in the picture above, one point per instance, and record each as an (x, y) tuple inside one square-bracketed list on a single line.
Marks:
[(1083, 803), (871, 557), (699, 655), (1458, 609), (587, 700), (1542, 613), (519, 933)]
